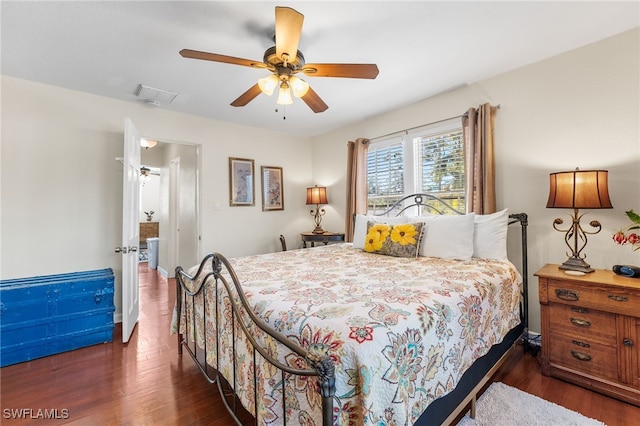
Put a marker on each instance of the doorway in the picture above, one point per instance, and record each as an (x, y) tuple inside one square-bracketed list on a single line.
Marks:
[(174, 171)]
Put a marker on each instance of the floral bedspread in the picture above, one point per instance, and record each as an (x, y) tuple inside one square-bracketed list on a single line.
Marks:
[(401, 331)]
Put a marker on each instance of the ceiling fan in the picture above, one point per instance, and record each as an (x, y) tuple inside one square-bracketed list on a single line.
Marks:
[(284, 60)]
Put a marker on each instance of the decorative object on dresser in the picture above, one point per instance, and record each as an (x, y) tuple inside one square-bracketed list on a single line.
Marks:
[(591, 330), (578, 189), (629, 235), (317, 195), (325, 238), (149, 215)]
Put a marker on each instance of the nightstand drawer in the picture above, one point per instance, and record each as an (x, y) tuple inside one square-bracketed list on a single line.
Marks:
[(582, 322), (587, 357), (594, 296)]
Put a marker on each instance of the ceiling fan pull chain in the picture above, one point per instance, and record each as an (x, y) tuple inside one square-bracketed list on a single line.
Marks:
[(284, 112)]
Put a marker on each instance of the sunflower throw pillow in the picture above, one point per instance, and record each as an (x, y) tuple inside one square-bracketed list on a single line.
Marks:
[(400, 240)]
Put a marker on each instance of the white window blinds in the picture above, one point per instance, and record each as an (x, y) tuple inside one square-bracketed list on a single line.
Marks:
[(429, 159)]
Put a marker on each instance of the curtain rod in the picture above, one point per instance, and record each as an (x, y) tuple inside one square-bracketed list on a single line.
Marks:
[(405, 131)]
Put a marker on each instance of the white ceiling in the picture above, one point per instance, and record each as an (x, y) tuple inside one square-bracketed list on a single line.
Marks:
[(422, 48)]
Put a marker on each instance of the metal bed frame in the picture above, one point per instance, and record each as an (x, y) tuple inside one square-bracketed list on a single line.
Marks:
[(319, 365)]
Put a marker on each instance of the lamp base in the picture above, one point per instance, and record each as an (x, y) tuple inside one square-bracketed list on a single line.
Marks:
[(576, 264), (318, 230)]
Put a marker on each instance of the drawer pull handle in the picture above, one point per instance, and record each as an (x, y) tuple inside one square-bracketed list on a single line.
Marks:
[(581, 356), (581, 344), (579, 322), (627, 342), (618, 298), (568, 295), (579, 310)]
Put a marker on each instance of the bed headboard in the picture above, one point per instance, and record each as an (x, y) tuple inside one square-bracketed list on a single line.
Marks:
[(421, 203)]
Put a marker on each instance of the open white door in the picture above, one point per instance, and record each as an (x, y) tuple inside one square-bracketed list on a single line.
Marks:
[(130, 230)]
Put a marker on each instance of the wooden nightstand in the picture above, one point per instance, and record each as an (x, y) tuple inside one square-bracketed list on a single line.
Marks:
[(591, 330), (325, 238)]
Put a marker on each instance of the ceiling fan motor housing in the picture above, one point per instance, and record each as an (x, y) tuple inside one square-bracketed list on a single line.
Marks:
[(277, 63)]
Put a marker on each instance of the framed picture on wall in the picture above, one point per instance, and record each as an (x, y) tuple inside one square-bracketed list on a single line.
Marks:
[(272, 188), (241, 182)]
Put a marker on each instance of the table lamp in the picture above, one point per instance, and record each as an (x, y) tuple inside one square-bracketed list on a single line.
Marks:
[(317, 195), (578, 189)]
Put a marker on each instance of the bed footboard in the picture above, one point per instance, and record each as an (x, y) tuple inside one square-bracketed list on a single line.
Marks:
[(216, 283)]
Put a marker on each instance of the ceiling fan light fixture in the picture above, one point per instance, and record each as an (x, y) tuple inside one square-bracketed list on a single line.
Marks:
[(284, 95), (268, 84), (299, 86)]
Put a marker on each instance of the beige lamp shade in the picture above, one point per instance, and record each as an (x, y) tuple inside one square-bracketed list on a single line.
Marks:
[(579, 189), (317, 195)]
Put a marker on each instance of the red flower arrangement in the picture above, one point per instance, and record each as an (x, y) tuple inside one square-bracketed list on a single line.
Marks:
[(630, 234)]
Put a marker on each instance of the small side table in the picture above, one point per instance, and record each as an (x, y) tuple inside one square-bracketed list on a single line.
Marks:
[(325, 238)]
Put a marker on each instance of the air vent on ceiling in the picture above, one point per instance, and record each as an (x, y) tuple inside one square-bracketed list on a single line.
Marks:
[(153, 96)]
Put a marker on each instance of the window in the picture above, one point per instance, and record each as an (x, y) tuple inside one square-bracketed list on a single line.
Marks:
[(385, 173), (429, 159)]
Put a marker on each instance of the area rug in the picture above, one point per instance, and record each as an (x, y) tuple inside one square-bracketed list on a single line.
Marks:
[(502, 405)]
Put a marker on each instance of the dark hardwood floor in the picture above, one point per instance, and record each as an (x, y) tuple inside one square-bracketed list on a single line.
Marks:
[(145, 382)]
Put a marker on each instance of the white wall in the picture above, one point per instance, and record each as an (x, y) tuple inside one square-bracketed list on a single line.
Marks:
[(184, 251), (150, 198), (579, 109), (150, 188), (61, 187)]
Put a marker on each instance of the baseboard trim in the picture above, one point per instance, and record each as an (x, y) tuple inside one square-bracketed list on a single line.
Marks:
[(163, 272)]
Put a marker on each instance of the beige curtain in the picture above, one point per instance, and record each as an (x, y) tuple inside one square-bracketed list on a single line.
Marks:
[(356, 183), (477, 125)]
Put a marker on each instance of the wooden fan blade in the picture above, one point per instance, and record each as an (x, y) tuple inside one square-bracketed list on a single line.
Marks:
[(314, 101), (206, 56), (288, 32), (369, 71), (247, 96)]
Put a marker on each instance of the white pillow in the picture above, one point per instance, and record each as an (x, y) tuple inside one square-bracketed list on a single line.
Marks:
[(360, 228), (490, 236), (447, 236)]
